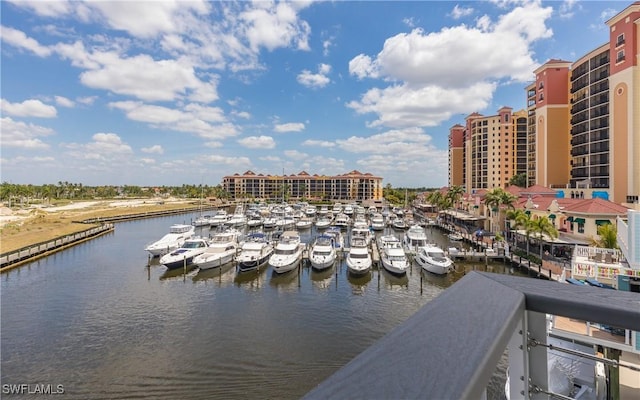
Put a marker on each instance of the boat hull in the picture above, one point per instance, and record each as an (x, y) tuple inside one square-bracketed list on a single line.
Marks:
[(204, 262), (280, 266), (246, 265)]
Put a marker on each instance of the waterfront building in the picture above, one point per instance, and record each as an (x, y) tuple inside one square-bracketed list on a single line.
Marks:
[(352, 186), (582, 124), (456, 156), (494, 149)]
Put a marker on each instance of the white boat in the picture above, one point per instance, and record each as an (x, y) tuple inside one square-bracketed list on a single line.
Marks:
[(238, 218), (338, 239), (337, 208), (455, 237), (203, 220), (415, 237), (254, 253), (348, 209), (359, 259), (431, 258), (287, 253), (254, 221), (223, 247), (310, 211), (392, 255), (323, 252), (184, 255), (178, 233), (304, 223), (377, 222), (269, 222), (342, 221), (361, 229), (219, 219), (399, 223), (323, 222)]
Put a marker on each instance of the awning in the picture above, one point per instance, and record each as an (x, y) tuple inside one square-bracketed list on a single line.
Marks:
[(570, 219), (579, 220), (602, 222), (552, 216)]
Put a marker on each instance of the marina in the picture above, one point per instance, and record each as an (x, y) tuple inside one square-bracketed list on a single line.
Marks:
[(122, 329)]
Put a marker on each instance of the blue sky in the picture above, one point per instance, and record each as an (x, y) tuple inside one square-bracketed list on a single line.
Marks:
[(186, 92)]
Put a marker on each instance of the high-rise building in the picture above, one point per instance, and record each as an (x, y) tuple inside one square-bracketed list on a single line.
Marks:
[(456, 155), (494, 149), (624, 105)]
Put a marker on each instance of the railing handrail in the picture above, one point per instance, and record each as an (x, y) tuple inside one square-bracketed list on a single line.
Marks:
[(451, 346)]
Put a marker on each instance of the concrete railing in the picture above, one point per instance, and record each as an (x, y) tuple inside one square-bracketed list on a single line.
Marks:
[(450, 348)]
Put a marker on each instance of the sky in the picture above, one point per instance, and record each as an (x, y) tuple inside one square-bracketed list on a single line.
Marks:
[(153, 93)]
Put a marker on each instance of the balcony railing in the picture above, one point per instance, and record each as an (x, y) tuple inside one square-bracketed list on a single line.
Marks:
[(450, 348)]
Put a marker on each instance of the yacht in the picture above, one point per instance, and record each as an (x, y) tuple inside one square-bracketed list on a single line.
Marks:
[(399, 223), (269, 222), (359, 259), (203, 220), (287, 253), (254, 253), (337, 208), (323, 252), (254, 221), (310, 211), (219, 219), (361, 229), (223, 247), (342, 221), (338, 239), (432, 258), (238, 218), (392, 255), (304, 223), (178, 233), (184, 255), (377, 222), (323, 222), (415, 237)]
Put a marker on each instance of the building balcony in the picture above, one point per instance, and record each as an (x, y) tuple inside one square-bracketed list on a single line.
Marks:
[(451, 347)]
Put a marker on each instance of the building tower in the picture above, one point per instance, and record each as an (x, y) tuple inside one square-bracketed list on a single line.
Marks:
[(456, 155)]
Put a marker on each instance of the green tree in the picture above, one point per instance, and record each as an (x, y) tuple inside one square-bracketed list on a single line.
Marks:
[(521, 220), (519, 180), (497, 200), (542, 226), (607, 237)]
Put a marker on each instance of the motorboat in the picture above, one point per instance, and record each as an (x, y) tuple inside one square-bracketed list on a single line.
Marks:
[(359, 259), (223, 247), (348, 209), (287, 252), (184, 255), (178, 233), (310, 211), (238, 218), (338, 239), (269, 222), (219, 219), (304, 223), (361, 229), (254, 253), (323, 222), (323, 252), (455, 237), (203, 220), (377, 222), (342, 221), (399, 223), (254, 221), (392, 255), (432, 258), (415, 237), (337, 208)]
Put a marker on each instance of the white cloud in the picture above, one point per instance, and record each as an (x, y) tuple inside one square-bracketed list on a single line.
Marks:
[(289, 127), (272, 25), (318, 143), (241, 114), (104, 149), (410, 22), (258, 142), (460, 12), (230, 161), (205, 122), (20, 40), (64, 102), (319, 80), (437, 74), (22, 135), (155, 149), (28, 108), (45, 8), (296, 155)]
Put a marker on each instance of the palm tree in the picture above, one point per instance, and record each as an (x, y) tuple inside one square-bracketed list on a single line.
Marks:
[(521, 220), (607, 237), (454, 194), (495, 200), (542, 226)]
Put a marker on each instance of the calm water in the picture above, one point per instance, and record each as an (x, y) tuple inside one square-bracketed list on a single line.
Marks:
[(95, 319)]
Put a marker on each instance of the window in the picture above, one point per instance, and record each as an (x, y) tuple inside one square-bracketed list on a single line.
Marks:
[(620, 40), (541, 97), (620, 56)]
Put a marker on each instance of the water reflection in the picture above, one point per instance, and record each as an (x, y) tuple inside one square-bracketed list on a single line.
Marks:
[(222, 274)]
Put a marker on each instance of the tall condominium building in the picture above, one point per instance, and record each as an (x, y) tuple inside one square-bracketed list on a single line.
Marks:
[(548, 137), (352, 186), (624, 105), (494, 149), (456, 155)]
